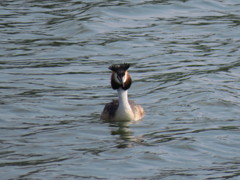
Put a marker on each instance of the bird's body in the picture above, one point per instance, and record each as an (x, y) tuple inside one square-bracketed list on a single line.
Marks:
[(121, 109)]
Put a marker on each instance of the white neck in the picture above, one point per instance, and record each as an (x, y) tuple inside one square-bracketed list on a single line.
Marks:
[(123, 96), (124, 111)]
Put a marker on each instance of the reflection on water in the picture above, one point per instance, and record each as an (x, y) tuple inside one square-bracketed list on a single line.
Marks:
[(126, 136), (54, 84)]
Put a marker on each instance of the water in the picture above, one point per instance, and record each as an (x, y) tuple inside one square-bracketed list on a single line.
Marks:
[(54, 84)]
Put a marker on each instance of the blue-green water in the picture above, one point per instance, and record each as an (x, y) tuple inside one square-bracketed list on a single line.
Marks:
[(54, 83)]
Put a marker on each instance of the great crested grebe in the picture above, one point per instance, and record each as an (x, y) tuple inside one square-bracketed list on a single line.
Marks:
[(121, 109)]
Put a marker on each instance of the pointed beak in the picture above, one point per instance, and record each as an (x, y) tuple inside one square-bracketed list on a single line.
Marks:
[(121, 80)]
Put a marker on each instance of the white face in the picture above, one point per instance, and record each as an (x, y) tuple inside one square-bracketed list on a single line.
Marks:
[(124, 78)]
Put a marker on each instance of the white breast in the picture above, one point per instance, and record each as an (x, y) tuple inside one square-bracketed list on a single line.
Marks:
[(124, 111)]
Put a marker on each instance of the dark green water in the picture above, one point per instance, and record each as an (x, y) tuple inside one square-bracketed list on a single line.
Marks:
[(54, 83)]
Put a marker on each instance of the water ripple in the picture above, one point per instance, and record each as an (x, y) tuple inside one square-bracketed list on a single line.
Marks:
[(184, 58)]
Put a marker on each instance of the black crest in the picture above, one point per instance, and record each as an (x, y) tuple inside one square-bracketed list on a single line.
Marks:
[(119, 67)]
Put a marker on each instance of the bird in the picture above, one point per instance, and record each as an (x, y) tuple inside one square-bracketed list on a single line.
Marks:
[(121, 109)]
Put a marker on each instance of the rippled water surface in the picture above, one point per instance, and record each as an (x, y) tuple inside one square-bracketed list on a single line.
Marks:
[(185, 63)]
